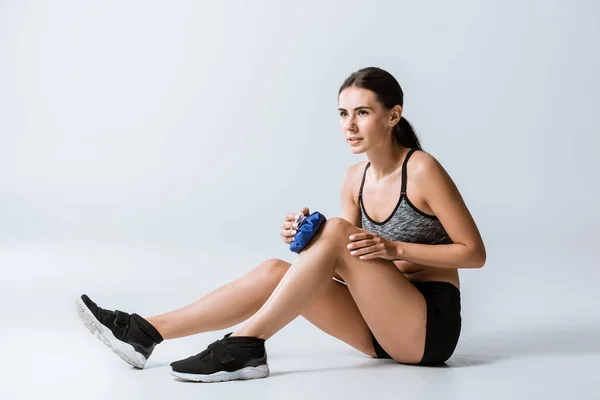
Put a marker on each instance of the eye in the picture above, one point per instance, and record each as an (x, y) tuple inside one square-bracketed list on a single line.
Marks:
[(342, 113), (360, 111)]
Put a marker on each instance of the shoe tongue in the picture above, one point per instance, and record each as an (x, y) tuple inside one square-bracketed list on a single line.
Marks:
[(243, 340)]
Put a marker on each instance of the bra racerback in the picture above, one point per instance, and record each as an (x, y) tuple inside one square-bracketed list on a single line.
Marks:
[(407, 223)]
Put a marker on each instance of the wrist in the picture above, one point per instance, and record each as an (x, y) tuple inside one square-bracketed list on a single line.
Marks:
[(399, 250)]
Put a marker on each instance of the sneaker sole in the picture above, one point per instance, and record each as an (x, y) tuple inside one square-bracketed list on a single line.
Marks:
[(120, 348), (262, 371)]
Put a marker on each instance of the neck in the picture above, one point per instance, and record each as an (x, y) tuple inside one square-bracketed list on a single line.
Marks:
[(386, 160)]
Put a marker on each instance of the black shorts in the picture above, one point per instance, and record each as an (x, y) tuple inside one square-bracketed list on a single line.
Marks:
[(443, 322)]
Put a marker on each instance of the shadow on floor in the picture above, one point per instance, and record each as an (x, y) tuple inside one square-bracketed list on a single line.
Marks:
[(550, 340), (363, 365), (482, 350)]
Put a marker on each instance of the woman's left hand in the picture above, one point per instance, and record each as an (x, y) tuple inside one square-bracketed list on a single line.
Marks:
[(367, 245)]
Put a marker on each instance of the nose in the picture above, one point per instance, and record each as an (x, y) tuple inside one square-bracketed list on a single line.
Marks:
[(349, 125)]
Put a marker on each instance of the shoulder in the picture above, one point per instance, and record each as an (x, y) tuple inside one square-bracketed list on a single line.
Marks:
[(422, 166), (352, 178), (431, 177), (354, 173), (356, 169), (427, 173)]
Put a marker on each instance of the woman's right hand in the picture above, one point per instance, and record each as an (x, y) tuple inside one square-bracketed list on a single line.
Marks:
[(290, 227)]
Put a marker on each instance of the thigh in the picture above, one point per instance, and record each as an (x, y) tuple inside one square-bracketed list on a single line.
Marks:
[(393, 308), (336, 314)]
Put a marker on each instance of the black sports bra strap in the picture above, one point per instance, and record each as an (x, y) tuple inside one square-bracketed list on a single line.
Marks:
[(363, 180), (404, 173)]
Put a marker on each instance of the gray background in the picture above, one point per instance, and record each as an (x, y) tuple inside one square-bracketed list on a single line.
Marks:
[(150, 150)]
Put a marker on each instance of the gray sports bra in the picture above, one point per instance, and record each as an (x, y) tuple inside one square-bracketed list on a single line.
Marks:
[(407, 223)]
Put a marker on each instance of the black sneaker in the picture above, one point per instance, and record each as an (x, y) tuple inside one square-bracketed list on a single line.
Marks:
[(230, 358), (130, 336)]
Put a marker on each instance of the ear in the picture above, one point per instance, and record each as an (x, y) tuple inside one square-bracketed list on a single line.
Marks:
[(395, 114)]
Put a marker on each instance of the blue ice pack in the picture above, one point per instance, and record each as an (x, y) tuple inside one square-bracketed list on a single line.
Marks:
[(307, 228)]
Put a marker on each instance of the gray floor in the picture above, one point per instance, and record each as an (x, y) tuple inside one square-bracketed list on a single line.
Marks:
[(536, 334)]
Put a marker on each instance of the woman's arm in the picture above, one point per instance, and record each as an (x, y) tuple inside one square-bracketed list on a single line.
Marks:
[(443, 197), (454, 255)]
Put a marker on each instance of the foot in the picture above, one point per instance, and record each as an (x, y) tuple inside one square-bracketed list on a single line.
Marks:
[(129, 336), (230, 358)]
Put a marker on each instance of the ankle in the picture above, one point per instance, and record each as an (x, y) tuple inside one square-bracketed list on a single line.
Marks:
[(154, 328)]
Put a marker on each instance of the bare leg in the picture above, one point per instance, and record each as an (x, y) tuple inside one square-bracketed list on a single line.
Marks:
[(335, 312), (223, 307), (396, 311), (307, 279)]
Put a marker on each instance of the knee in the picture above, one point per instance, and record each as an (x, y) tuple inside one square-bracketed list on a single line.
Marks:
[(336, 227), (273, 268), (333, 232)]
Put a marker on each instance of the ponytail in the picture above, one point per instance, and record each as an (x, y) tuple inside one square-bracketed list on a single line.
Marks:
[(405, 135)]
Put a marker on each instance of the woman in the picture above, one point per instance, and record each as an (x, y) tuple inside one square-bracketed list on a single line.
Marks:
[(394, 256)]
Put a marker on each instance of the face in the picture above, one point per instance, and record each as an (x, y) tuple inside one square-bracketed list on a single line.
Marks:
[(364, 118)]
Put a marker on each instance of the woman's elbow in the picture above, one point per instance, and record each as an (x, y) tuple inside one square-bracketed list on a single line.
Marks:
[(479, 261)]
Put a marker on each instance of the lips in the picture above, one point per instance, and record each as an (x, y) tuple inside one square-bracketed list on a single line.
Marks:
[(352, 139)]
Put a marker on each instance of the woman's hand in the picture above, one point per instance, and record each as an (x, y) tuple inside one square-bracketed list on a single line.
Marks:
[(290, 227), (368, 245)]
